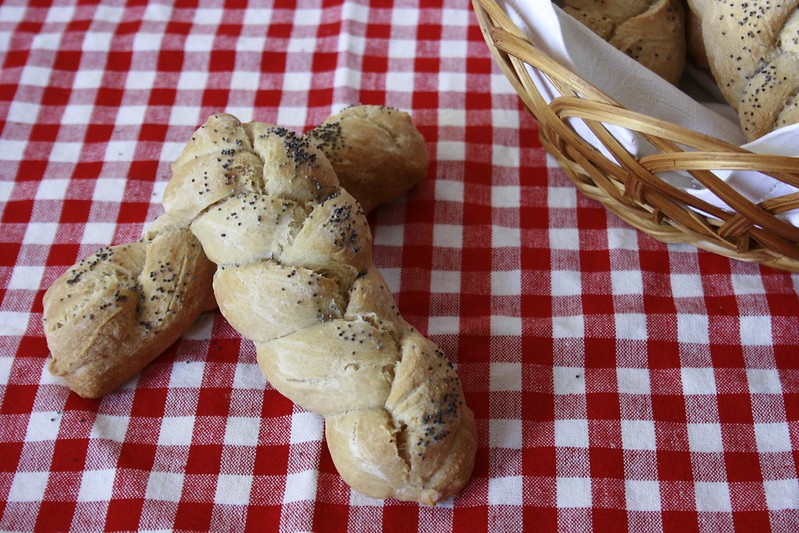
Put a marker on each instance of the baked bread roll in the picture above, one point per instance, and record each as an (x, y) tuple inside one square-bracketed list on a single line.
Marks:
[(110, 315), (650, 31), (753, 51), (295, 275)]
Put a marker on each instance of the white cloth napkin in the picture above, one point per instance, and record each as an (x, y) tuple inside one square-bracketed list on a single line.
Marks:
[(694, 105)]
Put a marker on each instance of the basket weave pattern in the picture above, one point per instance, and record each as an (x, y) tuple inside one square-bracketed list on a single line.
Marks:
[(629, 186)]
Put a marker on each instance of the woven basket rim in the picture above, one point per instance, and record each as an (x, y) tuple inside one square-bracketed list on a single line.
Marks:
[(629, 185)]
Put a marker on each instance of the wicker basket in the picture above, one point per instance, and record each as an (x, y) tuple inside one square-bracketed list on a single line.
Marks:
[(630, 186)]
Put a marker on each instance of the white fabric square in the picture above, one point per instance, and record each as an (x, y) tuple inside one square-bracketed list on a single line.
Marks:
[(712, 497), (248, 377), (505, 490), (443, 325), (97, 41), (568, 327), (42, 426), (158, 191), (110, 427), (306, 427), (176, 431), (393, 277), (505, 196), (59, 14), (568, 380), (355, 13), (140, 80), (157, 13), (34, 76), (5, 368), (40, 233), (764, 381), (756, 331), (686, 286), (642, 495), (120, 150), (28, 487), (562, 197), (705, 438), (630, 326), (11, 13), (164, 486), (692, 329), (505, 118), (445, 281), (638, 435), (633, 380), (571, 433), (627, 282), (505, 377), (298, 44), (773, 437), (574, 492), (212, 16), (781, 494), (89, 79), (108, 13), (233, 489), (192, 80), (307, 17), (51, 189), (360, 500), (147, 42), (448, 236), (566, 283), (698, 380), (506, 282), (79, 114), (622, 239), (243, 80), (96, 485), (450, 151), (26, 277), (301, 486), (66, 152), (402, 48), (452, 48), (242, 431), (746, 284), (23, 112), (98, 233), (389, 235), (454, 82), (505, 433), (13, 323), (451, 117), (401, 16), (246, 43), (6, 187), (292, 117), (505, 156), (347, 77), (506, 325), (505, 237), (188, 376), (564, 239), (449, 191), (400, 82)]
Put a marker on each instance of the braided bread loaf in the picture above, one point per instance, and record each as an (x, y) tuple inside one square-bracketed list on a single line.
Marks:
[(753, 52), (650, 31), (295, 275), (111, 314)]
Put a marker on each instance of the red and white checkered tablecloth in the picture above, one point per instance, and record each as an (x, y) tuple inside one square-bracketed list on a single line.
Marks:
[(618, 383)]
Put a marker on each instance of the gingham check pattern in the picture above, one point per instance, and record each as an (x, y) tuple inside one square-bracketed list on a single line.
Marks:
[(618, 383)]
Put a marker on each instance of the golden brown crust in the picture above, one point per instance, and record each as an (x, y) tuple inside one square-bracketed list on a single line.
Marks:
[(376, 151), (325, 332), (111, 314), (753, 53), (651, 32)]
